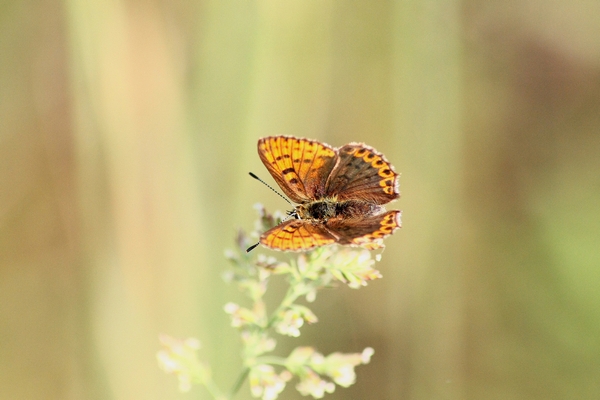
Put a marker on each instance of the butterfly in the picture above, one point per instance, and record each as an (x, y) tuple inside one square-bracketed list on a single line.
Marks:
[(340, 194)]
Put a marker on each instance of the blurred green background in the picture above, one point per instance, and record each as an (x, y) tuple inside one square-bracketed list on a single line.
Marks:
[(127, 130)]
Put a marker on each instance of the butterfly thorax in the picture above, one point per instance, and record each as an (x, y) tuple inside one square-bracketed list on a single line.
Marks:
[(329, 208)]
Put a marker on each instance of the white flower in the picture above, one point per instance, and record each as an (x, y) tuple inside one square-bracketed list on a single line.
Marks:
[(366, 355), (344, 376), (292, 319), (230, 308)]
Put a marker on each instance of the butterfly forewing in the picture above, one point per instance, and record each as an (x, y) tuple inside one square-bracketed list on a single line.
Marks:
[(299, 166)]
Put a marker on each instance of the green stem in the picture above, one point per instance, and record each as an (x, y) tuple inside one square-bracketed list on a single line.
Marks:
[(239, 382), (214, 391), (290, 296), (271, 360)]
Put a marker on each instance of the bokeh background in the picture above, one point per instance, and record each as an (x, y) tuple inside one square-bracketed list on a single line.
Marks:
[(127, 129)]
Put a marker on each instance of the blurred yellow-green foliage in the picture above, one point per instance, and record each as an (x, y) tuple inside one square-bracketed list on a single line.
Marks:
[(127, 129)]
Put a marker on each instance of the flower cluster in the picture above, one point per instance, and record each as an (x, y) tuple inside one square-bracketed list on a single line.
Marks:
[(180, 357), (291, 320), (310, 366), (306, 275), (266, 383)]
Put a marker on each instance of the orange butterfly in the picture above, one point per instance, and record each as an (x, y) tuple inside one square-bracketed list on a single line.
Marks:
[(340, 194)]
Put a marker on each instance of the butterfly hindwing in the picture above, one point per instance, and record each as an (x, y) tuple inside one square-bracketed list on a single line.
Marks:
[(363, 173), (296, 235), (367, 232)]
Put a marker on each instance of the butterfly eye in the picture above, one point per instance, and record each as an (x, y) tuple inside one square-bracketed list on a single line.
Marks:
[(293, 214)]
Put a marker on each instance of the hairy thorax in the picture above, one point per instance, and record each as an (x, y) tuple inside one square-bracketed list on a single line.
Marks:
[(329, 208)]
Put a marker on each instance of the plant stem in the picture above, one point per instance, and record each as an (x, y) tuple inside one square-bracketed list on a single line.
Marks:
[(271, 360), (290, 296), (214, 390), (239, 382)]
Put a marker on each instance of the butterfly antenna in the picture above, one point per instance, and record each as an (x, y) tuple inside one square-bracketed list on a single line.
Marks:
[(270, 187), (249, 249), (290, 214)]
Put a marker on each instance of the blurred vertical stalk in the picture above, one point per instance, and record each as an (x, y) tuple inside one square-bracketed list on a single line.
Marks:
[(137, 186), (428, 110)]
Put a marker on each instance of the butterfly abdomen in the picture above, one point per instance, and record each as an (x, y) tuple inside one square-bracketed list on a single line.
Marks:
[(356, 209), (323, 210)]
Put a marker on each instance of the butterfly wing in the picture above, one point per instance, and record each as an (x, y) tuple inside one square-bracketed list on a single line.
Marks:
[(367, 232), (362, 173), (299, 166), (296, 235)]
